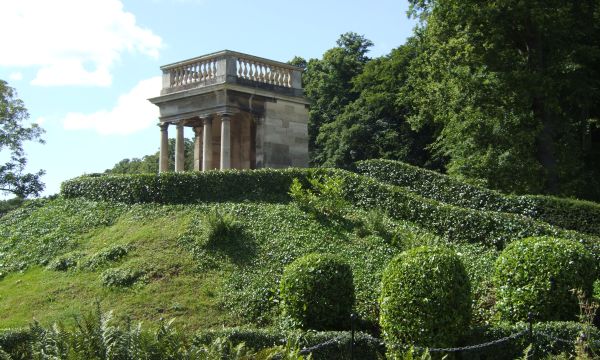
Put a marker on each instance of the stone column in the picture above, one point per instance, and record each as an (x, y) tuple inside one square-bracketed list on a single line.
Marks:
[(225, 142), (179, 149), (164, 147), (259, 141), (198, 148), (207, 144)]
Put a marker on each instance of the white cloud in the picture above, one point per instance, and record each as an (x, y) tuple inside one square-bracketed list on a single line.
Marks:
[(71, 42), (16, 76), (133, 112)]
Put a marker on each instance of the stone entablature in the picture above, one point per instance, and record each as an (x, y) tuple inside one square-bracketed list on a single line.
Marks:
[(247, 112)]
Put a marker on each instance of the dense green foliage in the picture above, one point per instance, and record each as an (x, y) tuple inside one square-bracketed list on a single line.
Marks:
[(10, 204), (454, 223), (583, 216), (97, 337), (13, 132), (42, 229), (317, 292), (544, 340), (182, 188), (425, 299), (537, 275), (512, 87), (355, 113)]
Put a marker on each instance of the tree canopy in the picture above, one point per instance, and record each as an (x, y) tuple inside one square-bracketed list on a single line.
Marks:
[(13, 133), (513, 88)]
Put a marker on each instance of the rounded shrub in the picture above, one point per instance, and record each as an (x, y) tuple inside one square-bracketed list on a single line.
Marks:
[(317, 292), (425, 299), (538, 274)]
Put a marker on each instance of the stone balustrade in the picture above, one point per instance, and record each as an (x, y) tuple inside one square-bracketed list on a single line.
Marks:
[(229, 67)]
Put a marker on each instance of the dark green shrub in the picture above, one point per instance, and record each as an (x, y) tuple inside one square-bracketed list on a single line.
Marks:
[(425, 299), (115, 277), (583, 216), (317, 292), (64, 262), (537, 275), (105, 256)]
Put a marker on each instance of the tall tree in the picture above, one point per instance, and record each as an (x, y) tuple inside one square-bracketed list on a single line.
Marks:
[(374, 125), (13, 132), (328, 84), (514, 87)]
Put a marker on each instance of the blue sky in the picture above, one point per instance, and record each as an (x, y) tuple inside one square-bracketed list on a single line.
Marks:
[(84, 68)]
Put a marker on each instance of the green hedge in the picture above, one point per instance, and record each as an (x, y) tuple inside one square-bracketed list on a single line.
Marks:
[(537, 274), (317, 292), (583, 216), (455, 223), (184, 188), (425, 299)]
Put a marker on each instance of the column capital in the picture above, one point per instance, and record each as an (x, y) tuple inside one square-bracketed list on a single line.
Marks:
[(164, 126), (225, 116), (179, 125), (198, 130)]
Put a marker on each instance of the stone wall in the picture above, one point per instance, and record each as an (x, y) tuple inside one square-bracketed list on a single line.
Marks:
[(285, 134)]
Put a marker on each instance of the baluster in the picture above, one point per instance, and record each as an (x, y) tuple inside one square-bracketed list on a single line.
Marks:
[(245, 69), (276, 77), (269, 74), (213, 69), (251, 73), (263, 71)]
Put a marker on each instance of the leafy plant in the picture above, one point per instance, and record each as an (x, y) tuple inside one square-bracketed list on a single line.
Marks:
[(64, 262), (317, 292), (425, 299), (537, 274), (115, 277), (105, 256), (323, 197)]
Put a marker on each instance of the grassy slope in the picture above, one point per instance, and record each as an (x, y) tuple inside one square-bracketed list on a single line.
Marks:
[(204, 287)]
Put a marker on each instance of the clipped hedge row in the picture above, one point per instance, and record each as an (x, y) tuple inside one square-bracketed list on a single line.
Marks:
[(583, 216), (366, 347), (184, 188), (455, 223)]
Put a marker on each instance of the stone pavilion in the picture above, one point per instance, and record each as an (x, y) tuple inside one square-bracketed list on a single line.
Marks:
[(246, 112)]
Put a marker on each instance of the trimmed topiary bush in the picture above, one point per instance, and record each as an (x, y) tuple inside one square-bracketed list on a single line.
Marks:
[(425, 299), (317, 292), (537, 275)]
